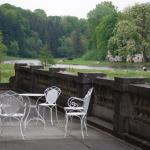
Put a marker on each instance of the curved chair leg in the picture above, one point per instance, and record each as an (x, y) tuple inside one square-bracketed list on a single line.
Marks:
[(43, 113), (51, 114), (38, 118), (2, 126), (85, 125), (26, 118), (56, 114), (21, 130), (66, 125), (71, 118), (38, 111), (82, 122)]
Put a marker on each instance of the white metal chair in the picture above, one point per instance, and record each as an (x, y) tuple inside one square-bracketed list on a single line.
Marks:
[(51, 95), (76, 109), (12, 106)]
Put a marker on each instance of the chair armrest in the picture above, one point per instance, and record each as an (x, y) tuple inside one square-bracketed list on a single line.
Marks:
[(74, 101)]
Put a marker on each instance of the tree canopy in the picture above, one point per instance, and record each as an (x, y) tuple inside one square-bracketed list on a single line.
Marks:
[(24, 33)]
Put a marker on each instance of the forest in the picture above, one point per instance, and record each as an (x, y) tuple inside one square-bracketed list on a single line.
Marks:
[(24, 33)]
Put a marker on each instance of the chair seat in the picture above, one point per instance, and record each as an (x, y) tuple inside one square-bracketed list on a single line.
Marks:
[(73, 108), (47, 104), (12, 115), (76, 113), (32, 106)]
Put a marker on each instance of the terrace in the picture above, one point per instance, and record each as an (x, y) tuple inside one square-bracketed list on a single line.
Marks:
[(38, 137), (118, 115)]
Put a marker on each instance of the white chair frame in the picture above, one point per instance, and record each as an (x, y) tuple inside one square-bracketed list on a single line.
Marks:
[(51, 95), (10, 105), (75, 110)]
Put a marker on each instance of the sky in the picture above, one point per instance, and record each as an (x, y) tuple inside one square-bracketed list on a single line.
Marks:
[(78, 8)]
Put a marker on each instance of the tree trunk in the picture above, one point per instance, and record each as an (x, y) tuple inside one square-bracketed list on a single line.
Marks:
[(145, 58)]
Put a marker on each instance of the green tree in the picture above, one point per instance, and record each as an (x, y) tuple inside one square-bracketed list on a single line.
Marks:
[(103, 33), (96, 20), (69, 23), (40, 13), (34, 44), (77, 43), (46, 56), (3, 48), (13, 49), (140, 15), (30, 29), (125, 40), (66, 48), (103, 9)]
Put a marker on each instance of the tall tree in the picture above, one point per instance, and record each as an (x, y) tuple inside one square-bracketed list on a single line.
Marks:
[(125, 40), (33, 44), (46, 56), (41, 13), (96, 21), (13, 48), (103, 33), (77, 43), (140, 15), (3, 48), (66, 48)]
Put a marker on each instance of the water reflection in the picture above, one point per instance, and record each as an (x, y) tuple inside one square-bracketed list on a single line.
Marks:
[(38, 62), (82, 67)]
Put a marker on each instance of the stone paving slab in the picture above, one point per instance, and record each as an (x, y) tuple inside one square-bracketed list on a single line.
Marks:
[(52, 138)]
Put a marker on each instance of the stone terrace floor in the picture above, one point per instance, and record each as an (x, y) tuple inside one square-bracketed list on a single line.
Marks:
[(52, 138)]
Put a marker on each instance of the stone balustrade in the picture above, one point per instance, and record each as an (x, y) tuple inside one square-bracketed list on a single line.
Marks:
[(122, 102)]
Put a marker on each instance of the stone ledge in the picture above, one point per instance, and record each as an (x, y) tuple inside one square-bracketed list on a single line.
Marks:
[(145, 145), (101, 124)]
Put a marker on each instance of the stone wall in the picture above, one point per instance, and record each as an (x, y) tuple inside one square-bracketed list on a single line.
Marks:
[(122, 102)]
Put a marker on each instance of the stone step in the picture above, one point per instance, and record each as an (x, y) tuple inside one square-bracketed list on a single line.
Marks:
[(101, 124), (137, 141)]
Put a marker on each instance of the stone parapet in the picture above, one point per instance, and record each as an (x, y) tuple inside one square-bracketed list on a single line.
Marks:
[(122, 103)]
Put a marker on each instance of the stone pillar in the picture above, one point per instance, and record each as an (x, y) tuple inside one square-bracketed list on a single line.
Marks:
[(122, 103), (85, 81), (33, 76), (17, 74), (53, 73), (51, 69)]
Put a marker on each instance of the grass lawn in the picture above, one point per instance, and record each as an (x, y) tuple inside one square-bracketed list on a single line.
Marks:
[(115, 73), (79, 61), (6, 71)]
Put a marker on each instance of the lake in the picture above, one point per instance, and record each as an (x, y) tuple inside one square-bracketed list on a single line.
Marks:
[(38, 62)]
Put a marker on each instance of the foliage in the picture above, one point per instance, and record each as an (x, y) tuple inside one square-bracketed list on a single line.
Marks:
[(3, 48), (29, 31), (104, 32), (140, 15), (125, 39), (41, 13), (101, 21), (7, 71), (66, 49), (72, 46), (95, 16), (26, 32), (46, 56), (13, 49), (33, 45), (92, 55)]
